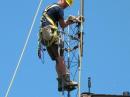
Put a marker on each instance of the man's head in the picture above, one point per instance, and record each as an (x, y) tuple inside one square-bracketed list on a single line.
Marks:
[(65, 3)]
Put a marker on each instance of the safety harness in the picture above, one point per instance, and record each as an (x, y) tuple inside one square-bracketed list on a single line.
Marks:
[(53, 27)]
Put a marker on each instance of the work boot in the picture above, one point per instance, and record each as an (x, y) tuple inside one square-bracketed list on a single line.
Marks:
[(65, 84)]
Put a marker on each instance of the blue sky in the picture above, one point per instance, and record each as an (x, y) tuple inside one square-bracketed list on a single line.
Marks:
[(106, 48)]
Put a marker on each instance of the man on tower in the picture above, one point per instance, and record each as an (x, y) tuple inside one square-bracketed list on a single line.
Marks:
[(52, 17)]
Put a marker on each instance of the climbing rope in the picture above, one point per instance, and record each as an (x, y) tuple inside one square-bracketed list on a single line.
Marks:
[(23, 50)]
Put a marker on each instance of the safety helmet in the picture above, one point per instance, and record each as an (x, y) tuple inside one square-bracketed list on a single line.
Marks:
[(69, 2)]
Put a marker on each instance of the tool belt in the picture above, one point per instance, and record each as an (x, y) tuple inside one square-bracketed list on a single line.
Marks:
[(48, 34)]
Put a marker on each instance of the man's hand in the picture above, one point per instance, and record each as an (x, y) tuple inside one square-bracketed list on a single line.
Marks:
[(71, 18)]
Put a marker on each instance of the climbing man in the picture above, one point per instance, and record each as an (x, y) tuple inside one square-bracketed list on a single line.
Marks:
[(49, 36)]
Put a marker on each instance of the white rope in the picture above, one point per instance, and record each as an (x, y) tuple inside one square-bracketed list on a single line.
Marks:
[(24, 48)]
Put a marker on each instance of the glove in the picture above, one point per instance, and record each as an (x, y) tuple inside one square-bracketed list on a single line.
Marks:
[(39, 53), (74, 19), (39, 50), (71, 18)]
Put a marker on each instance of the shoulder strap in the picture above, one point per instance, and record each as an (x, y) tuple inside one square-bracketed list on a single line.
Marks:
[(46, 15), (51, 6)]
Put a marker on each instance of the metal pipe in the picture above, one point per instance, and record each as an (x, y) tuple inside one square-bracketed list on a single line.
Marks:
[(80, 45)]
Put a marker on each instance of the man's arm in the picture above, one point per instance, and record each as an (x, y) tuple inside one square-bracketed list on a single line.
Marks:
[(71, 20), (65, 23)]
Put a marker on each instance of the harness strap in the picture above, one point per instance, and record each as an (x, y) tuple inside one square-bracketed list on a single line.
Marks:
[(51, 6), (53, 25), (46, 15), (49, 19)]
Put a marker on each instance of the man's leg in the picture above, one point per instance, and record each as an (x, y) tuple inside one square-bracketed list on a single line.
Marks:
[(63, 76), (60, 66), (64, 82)]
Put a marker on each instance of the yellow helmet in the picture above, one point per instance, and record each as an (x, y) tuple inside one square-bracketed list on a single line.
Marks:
[(69, 2)]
